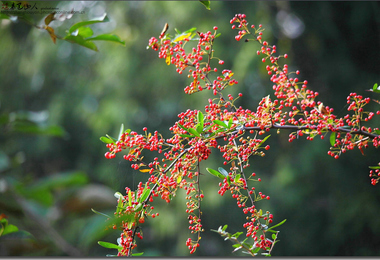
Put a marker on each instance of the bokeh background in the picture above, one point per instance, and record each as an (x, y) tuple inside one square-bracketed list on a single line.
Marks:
[(58, 99)]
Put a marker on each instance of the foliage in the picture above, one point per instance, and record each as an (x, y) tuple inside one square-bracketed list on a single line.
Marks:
[(78, 33)]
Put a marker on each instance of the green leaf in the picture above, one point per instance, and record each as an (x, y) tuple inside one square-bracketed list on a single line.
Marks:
[(257, 249), (217, 35), (279, 224), (100, 213), (106, 140), (138, 254), (377, 131), (230, 123), (223, 171), (9, 229), (374, 167), (199, 128), (332, 138), (228, 180), (121, 131), (206, 4), (200, 118), (225, 227), (374, 88), (274, 236), (184, 128), (109, 245), (237, 177), (237, 234), (218, 122), (215, 173), (265, 138), (194, 132), (191, 30), (130, 198), (81, 41), (106, 37), (112, 138), (84, 23), (85, 32), (208, 128), (144, 195)]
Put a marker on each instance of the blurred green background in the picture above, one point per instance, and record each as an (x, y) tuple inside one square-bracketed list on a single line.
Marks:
[(58, 99)]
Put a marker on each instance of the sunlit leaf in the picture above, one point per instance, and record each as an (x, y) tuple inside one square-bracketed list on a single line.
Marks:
[(279, 224), (215, 173), (230, 123), (144, 170), (138, 254), (112, 138), (237, 234), (221, 123), (85, 32), (265, 138), (102, 19), (200, 118), (374, 88), (144, 195), (194, 132), (106, 140), (81, 41), (332, 138), (206, 4), (130, 198), (199, 128), (106, 37), (225, 227), (10, 229), (181, 126), (109, 245)]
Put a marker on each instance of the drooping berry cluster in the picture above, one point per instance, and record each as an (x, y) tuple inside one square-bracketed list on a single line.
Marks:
[(198, 61), (238, 133)]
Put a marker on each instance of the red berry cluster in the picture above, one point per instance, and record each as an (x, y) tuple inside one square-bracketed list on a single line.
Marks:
[(198, 60), (238, 133)]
